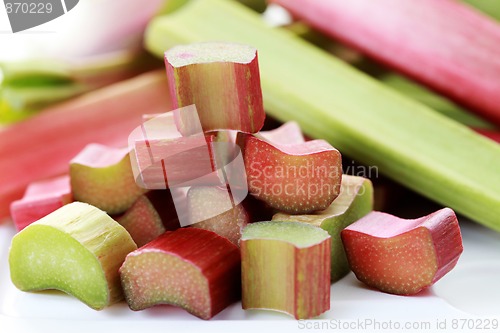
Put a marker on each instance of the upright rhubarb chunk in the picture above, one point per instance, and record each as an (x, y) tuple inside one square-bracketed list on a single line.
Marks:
[(102, 176), (285, 266), (211, 208), (354, 201), (40, 199), (296, 179), (191, 268), (222, 80), (77, 249), (403, 256), (150, 216)]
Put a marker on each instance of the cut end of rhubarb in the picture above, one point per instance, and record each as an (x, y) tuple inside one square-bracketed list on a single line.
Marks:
[(403, 256), (191, 268), (208, 52), (102, 176), (77, 249), (286, 267), (299, 235)]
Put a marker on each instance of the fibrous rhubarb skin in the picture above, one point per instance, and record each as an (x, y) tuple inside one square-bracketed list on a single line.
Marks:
[(403, 256), (222, 80), (354, 201), (285, 266), (77, 249), (102, 176), (150, 216), (295, 179), (40, 199), (191, 268), (104, 116), (336, 102), (287, 134), (441, 64), (212, 208)]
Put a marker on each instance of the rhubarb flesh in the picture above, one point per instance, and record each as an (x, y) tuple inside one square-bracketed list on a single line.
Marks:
[(34, 149), (408, 142), (150, 216), (102, 176), (40, 199), (212, 208), (445, 54), (285, 266), (77, 249), (229, 72), (191, 268), (297, 179), (403, 256), (354, 201)]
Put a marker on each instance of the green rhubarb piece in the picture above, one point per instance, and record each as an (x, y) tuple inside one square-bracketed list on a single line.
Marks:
[(102, 176), (408, 142), (354, 201), (437, 102), (285, 266), (77, 249)]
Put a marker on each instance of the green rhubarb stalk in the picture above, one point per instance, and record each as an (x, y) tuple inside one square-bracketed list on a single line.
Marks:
[(406, 140), (28, 86), (489, 7), (435, 101)]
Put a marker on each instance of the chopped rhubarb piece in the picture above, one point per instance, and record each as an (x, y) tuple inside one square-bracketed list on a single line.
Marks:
[(295, 179), (150, 216), (285, 266), (42, 146), (102, 176), (40, 199), (212, 208), (191, 268), (403, 256), (354, 201), (287, 134), (77, 249), (222, 80), (454, 52)]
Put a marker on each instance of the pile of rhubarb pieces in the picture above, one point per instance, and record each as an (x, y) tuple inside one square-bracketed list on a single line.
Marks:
[(220, 210)]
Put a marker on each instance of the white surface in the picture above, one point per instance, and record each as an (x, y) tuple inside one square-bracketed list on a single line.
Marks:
[(471, 290)]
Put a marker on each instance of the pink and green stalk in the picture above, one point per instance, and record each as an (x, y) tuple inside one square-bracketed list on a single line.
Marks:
[(222, 80)]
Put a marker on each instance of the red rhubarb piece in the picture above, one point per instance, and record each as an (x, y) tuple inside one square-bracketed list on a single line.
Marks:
[(400, 256), (191, 268)]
